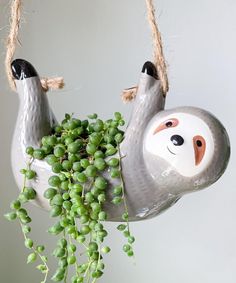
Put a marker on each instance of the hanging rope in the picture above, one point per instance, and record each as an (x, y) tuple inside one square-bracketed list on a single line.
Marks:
[(12, 41), (159, 59), (58, 83), (158, 55)]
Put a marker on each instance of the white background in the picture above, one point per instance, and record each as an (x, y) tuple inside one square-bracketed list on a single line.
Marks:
[(99, 47)]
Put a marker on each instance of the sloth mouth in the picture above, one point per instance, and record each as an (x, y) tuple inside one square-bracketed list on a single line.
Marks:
[(171, 151)]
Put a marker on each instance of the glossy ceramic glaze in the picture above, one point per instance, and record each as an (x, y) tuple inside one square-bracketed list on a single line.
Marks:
[(165, 153)]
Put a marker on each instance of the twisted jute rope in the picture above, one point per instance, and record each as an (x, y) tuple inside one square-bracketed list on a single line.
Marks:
[(158, 55), (58, 83), (12, 41)]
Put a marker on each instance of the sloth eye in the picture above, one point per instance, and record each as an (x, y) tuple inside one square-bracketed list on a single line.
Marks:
[(199, 145), (170, 123)]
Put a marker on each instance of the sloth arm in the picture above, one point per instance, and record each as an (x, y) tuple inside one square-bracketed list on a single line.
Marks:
[(148, 102)]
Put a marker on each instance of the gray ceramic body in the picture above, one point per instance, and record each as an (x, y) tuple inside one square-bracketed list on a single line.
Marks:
[(151, 183)]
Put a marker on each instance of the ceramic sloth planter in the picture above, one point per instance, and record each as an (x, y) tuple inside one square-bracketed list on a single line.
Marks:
[(165, 153)]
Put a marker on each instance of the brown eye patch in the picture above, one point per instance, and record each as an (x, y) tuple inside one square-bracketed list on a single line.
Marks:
[(199, 145), (170, 123)]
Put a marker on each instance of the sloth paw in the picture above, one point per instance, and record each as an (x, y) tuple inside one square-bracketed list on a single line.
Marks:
[(21, 69), (150, 69)]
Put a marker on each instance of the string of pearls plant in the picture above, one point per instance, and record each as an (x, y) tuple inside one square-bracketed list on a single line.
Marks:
[(78, 153)]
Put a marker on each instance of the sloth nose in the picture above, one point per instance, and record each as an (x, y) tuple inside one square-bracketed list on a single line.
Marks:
[(177, 140)]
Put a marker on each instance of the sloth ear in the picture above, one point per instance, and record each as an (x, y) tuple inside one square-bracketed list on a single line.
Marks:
[(199, 145)]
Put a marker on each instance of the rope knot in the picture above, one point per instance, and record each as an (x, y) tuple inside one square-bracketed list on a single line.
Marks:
[(52, 83), (129, 94)]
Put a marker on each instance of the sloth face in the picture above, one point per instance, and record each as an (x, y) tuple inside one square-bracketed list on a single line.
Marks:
[(183, 140)]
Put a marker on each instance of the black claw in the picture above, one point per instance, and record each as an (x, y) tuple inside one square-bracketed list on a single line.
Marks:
[(22, 69), (150, 69)]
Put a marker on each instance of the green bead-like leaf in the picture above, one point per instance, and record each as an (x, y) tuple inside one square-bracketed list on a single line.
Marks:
[(56, 210), (59, 252), (15, 204), (30, 174), (55, 229), (40, 248), (106, 250), (126, 248), (31, 257), (29, 243), (59, 275), (30, 193), (50, 193), (121, 227), (42, 268), (26, 229), (10, 216), (57, 200), (71, 260)]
